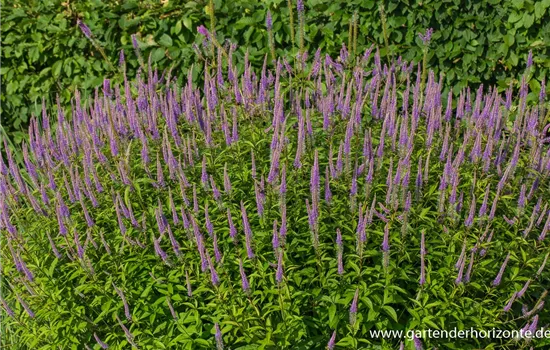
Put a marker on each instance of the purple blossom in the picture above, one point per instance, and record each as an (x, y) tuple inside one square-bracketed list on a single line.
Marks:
[(226, 180), (275, 237), (497, 280), (385, 242), (300, 7), (188, 283), (269, 21), (530, 59), (279, 274), (85, 29), (121, 59), (340, 250), (353, 308), (427, 37), (417, 342), (232, 228), (127, 333), (244, 279), (510, 302), (100, 342), (203, 31), (524, 289), (9, 311), (332, 341), (172, 311), (247, 232), (218, 336)]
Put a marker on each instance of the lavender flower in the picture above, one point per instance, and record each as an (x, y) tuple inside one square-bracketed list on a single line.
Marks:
[(269, 21), (275, 237), (524, 289), (188, 283), (244, 279), (226, 180), (353, 308), (127, 333), (9, 311), (386, 245), (417, 343), (232, 228), (530, 59), (300, 7), (427, 37), (203, 31), (124, 302), (510, 302), (218, 336), (340, 249), (101, 343), (279, 274), (85, 29), (247, 232), (332, 341), (497, 280), (121, 59), (328, 193)]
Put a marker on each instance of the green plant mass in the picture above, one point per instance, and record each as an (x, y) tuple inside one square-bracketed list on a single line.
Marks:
[(44, 54), (271, 199)]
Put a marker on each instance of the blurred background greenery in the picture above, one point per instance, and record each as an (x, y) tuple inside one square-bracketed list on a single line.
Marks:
[(44, 53)]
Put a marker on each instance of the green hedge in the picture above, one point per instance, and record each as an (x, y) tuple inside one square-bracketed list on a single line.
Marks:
[(45, 54)]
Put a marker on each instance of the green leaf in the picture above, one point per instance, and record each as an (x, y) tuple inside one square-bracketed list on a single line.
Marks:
[(528, 20), (56, 68), (390, 311), (157, 54), (188, 23), (165, 40)]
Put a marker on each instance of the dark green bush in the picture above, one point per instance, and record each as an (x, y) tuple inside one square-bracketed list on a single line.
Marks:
[(44, 54)]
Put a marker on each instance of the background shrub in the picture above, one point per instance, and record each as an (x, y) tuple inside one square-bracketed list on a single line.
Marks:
[(45, 54)]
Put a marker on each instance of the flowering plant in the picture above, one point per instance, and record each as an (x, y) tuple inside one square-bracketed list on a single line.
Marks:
[(299, 206)]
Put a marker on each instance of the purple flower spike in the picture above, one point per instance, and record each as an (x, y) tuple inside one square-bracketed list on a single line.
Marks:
[(530, 59), (101, 343), (332, 341), (275, 240), (9, 311), (300, 7), (247, 232), (203, 31), (353, 308), (121, 59), (385, 242), (510, 302), (427, 37), (232, 228), (279, 274), (269, 21), (218, 336), (417, 343), (497, 280), (85, 29), (135, 43), (25, 306), (188, 283), (340, 250), (244, 279)]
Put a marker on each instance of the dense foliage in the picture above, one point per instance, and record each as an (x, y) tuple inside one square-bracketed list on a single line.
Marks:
[(296, 206), (44, 54)]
